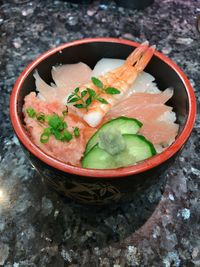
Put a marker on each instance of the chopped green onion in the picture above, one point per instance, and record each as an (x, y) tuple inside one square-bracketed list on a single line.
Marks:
[(57, 134), (31, 112), (47, 130), (40, 117), (55, 121), (44, 138), (67, 136), (64, 125), (76, 132), (65, 112), (56, 124)]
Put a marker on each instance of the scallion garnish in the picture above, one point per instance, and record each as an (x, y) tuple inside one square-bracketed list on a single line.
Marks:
[(67, 136), (76, 132), (65, 112), (40, 117), (31, 112), (44, 138), (57, 125)]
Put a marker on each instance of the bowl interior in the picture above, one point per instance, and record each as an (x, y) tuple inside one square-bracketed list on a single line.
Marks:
[(91, 52)]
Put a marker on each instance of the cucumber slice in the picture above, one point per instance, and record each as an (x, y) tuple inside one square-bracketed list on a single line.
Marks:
[(98, 158), (123, 125), (138, 148)]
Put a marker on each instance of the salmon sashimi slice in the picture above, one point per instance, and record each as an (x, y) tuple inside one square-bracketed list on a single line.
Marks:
[(160, 132), (143, 113), (66, 77), (146, 98), (68, 152)]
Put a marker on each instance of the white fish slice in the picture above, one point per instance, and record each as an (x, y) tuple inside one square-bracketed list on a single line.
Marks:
[(66, 77), (46, 92), (71, 75)]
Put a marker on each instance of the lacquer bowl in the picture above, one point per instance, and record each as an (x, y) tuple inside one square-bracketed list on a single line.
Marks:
[(103, 186)]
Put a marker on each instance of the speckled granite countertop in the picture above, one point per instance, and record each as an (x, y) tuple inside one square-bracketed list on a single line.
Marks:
[(161, 227)]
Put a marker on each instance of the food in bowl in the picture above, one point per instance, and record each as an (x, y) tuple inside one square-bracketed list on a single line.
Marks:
[(109, 117), (103, 186)]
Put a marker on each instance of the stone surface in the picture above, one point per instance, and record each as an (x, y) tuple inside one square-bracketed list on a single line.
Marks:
[(39, 228)]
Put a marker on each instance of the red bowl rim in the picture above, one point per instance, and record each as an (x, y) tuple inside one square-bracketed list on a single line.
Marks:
[(93, 173)]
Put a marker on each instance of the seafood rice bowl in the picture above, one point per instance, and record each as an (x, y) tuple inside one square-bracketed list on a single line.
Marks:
[(102, 118), (108, 117)]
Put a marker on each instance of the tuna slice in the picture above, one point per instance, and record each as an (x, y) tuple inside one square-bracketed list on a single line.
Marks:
[(68, 152), (160, 132), (143, 113), (146, 98), (142, 106), (66, 77)]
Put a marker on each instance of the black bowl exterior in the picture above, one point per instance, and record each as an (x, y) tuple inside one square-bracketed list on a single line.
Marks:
[(134, 4), (97, 191), (104, 190)]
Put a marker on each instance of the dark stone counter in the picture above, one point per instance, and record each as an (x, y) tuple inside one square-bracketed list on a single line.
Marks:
[(160, 227)]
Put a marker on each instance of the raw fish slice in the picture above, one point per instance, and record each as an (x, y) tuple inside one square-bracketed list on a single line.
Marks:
[(71, 75), (105, 65), (143, 113), (49, 93), (160, 132), (46, 92), (145, 98), (66, 77), (145, 82)]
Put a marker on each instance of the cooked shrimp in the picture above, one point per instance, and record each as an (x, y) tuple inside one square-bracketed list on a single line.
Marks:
[(121, 78)]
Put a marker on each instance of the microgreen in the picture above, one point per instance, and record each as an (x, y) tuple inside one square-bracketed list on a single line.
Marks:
[(86, 97), (112, 91), (97, 82), (91, 92), (83, 93), (102, 100)]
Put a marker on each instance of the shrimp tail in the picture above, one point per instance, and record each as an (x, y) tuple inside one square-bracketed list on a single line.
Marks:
[(141, 56)]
